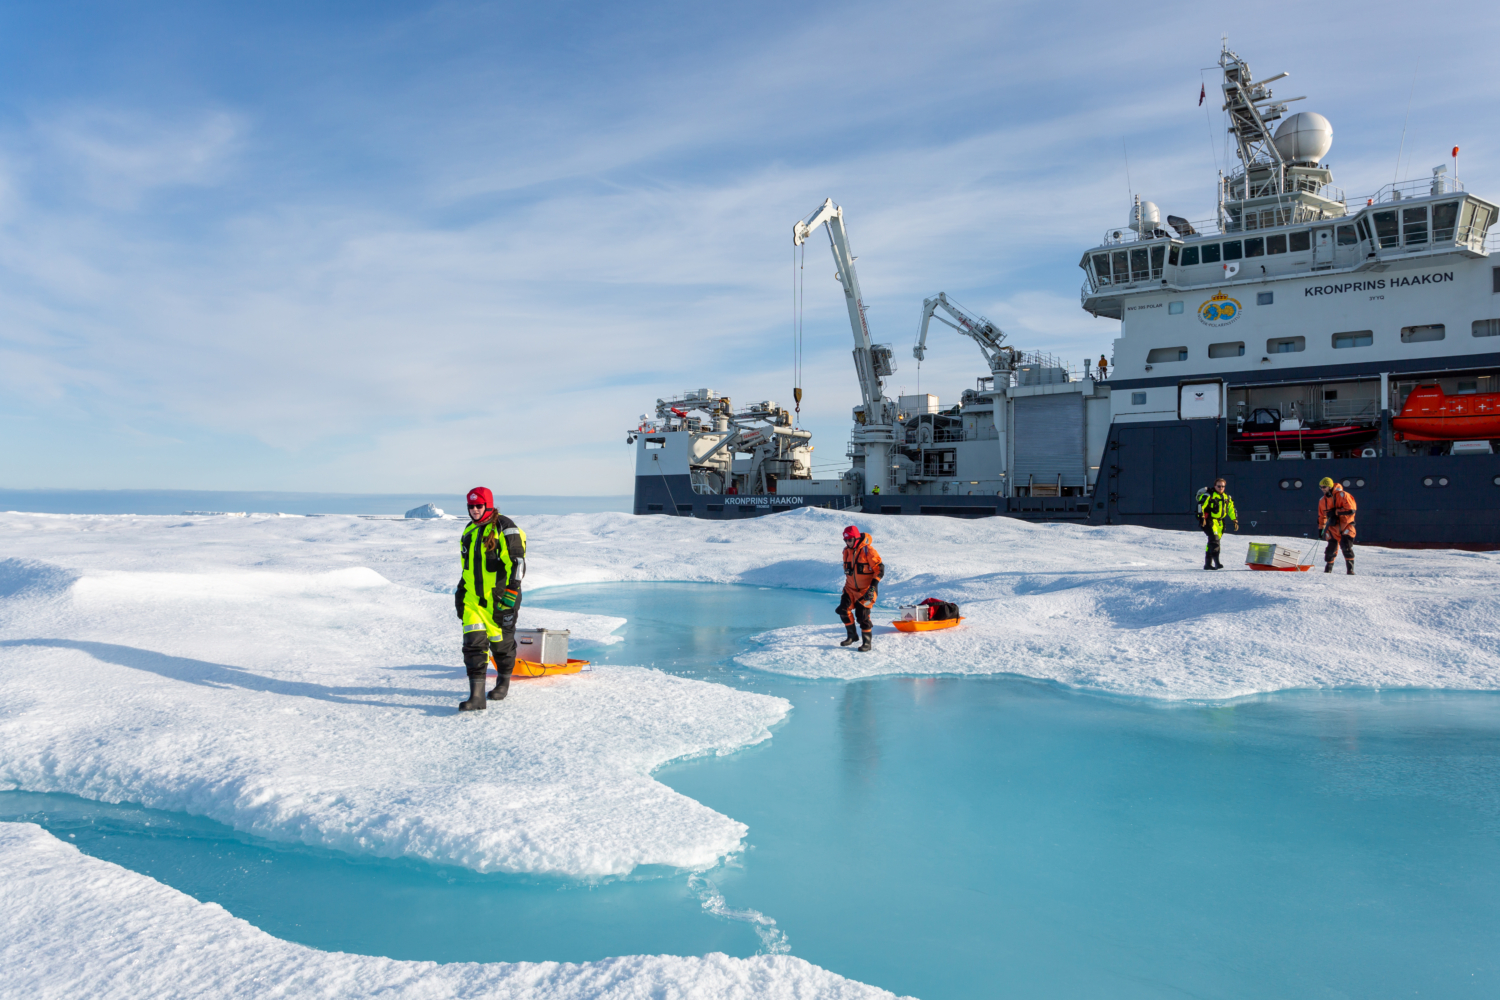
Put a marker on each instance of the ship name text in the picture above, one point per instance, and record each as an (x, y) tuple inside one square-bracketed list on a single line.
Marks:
[(1378, 284)]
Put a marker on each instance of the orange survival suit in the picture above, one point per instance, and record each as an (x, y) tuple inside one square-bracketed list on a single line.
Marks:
[(862, 572), (1336, 512)]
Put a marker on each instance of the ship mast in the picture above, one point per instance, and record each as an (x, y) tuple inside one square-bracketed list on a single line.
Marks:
[(1279, 181)]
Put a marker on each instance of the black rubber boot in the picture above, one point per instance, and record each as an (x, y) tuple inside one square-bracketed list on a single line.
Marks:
[(853, 636), (864, 647), (502, 688), (1349, 567), (1217, 564), (1328, 567), (1208, 562), (476, 696)]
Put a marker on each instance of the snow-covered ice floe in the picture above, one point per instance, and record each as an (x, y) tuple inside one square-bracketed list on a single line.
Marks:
[(296, 678), (74, 926), (320, 707)]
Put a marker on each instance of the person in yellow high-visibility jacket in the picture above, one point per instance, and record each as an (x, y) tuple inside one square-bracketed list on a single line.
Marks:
[(1214, 508), (488, 596)]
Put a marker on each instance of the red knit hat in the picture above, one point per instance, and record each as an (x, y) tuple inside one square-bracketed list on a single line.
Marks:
[(481, 494)]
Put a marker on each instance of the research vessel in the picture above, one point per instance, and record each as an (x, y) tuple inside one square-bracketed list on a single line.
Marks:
[(1297, 334)]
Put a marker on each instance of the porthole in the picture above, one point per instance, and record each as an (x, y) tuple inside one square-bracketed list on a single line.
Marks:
[(1443, 481), (1359, 483), (1437, 481), (1286, 484), (1497, 480), (1296, 484), (1427, 481)]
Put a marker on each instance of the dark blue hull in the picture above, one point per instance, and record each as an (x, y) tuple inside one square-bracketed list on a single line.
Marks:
[(1150, 473)]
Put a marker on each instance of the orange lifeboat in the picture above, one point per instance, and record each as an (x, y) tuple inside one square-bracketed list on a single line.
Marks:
[(1432, 415)]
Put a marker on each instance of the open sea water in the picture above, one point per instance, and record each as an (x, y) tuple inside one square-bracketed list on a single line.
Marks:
[(174, 502), (961, 837)]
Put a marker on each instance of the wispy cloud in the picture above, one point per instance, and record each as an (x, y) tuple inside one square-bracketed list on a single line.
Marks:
[(404, 251)]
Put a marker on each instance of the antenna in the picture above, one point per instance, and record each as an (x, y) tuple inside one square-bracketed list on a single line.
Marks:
[(1397, 175)]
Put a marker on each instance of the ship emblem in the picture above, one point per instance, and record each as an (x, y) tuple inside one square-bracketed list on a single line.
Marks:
[(1220, 310)]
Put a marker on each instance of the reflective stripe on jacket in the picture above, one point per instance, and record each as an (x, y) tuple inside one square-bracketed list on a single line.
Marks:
[(1217, 507), (1337, 512), (862, 567)]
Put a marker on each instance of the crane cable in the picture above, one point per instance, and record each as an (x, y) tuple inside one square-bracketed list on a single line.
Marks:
[(799, 259)]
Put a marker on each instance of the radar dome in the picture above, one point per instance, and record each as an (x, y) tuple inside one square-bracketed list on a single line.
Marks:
[(1304, 138), (1149, 217)]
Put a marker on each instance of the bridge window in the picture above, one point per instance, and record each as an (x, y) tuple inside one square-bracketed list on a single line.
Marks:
[(1255, 246), (1189, 256), (1101, 268), (1140, 268), (1158, 253), (1276, 244), (1286, 345), (1386, 230), (1444, 220), (656, 442), (1164, 354), (1233, 349), (1487, 328), (1414, 224), (1233, 250), (1211, 253), (1422, 334), (1300, 241), (1355, 338)]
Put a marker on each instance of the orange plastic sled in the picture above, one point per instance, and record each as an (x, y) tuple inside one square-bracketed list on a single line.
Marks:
[(905, 626), (526, 669), (1282, 569)]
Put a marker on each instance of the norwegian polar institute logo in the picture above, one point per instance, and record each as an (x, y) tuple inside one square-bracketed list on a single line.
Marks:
[(1220, 310)]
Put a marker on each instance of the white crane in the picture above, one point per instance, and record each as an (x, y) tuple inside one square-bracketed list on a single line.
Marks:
[(987, 335), (875, 418)]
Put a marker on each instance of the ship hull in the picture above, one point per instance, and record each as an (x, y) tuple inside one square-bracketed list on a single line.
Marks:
[(1151, 474)]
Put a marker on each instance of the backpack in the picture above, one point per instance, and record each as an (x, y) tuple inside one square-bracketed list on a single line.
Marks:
[(941, 610)]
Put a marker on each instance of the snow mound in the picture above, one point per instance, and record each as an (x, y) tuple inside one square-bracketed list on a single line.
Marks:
[(321, 708), (75, 926)]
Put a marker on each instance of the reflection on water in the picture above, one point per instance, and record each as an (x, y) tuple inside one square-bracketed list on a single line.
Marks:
[(859, 732)]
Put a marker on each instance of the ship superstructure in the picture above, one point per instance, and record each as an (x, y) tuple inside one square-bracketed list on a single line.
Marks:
[(1281, 341), (1297, 334)]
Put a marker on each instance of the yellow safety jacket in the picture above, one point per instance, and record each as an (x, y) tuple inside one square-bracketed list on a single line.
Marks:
[(1216, 508), (493, 552)]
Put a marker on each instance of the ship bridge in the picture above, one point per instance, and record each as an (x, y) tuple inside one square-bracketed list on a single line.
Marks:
[(1412, 219)]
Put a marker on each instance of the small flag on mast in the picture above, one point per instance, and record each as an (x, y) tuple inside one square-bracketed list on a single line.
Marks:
[(1202, 93)]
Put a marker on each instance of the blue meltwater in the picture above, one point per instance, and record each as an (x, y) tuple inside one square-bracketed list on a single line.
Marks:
[(961, 837)]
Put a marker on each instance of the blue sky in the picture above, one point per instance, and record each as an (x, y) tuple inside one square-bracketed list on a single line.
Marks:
[(403, 247)]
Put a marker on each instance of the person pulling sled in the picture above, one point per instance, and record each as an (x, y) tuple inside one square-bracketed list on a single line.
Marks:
[(1336, 523), (862, 572)]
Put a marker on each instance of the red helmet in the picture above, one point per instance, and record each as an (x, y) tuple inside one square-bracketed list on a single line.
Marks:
[(851, 534), (481, 495)]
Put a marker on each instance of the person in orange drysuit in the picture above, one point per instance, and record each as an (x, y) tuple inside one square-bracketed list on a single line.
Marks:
[(1336, 522), (862, 572)]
